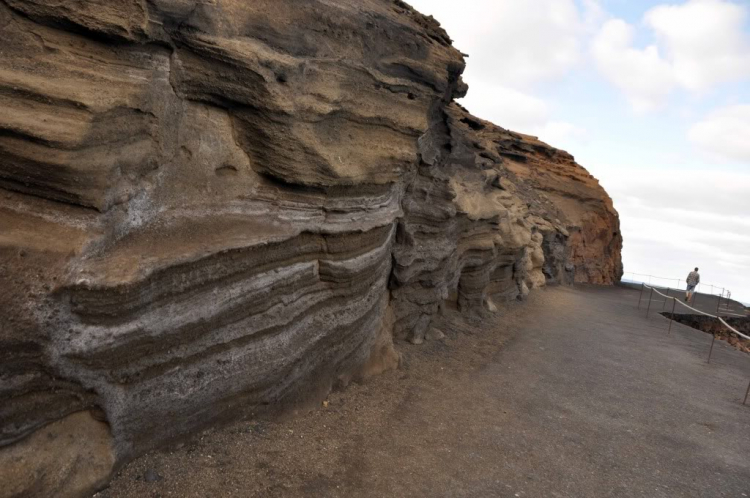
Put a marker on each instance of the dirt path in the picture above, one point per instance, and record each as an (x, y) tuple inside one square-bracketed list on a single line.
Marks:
[(574, 394)]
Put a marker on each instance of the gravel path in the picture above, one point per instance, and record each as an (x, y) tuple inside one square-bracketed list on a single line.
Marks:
[(572, 394)]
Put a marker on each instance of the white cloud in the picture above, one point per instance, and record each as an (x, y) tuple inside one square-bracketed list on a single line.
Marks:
[(703, 40), (593, 14), (562, 134), (698, 45), (507, 107), (642, 75), (724, 133), (523, 113), (725, 194), (512, 43)]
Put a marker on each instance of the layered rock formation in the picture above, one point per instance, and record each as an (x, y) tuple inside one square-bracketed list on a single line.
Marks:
[(207, 208), (491, 214)]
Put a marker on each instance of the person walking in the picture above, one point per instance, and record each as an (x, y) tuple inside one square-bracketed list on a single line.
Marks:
[(693, 279)]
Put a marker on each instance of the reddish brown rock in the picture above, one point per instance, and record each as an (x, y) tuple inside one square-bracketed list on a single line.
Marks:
[(585, 211)]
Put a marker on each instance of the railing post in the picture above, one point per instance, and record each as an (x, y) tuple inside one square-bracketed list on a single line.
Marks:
[(712, 347), (671, 318), (718, 305), (650, 295), (664, 305), (641, 296), (746, 393)]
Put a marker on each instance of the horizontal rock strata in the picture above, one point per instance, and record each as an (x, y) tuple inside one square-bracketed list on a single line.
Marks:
[(208, 208)]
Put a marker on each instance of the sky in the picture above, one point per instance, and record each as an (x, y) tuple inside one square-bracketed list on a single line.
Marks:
[(652, 97)]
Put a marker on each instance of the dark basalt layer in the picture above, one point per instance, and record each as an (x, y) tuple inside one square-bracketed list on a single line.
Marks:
[(207, 209)]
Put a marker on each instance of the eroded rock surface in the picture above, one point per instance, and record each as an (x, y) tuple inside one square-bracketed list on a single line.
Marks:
[(207, 208), (490, 214)]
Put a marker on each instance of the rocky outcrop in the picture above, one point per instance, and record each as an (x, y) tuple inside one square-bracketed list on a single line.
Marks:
[(491, 214), (211, 208)]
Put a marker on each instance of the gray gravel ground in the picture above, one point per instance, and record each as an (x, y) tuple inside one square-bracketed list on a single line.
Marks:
[(572, 394)]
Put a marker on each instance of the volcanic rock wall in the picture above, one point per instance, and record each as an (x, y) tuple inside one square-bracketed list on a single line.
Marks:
[(491, 214), (207, 208)]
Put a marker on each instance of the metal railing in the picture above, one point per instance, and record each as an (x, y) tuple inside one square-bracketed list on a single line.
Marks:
[(671, 319), (645, 278)]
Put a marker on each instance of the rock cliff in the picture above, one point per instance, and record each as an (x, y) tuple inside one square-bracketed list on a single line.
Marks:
[(210, 208)]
